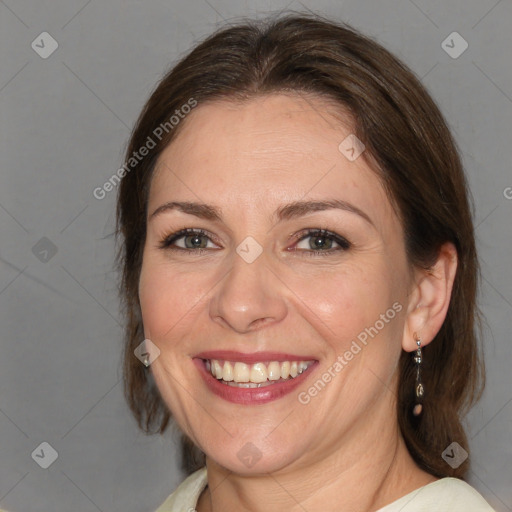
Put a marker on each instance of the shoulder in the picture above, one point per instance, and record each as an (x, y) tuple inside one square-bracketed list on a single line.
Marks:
[(444, 495), (186, 495)]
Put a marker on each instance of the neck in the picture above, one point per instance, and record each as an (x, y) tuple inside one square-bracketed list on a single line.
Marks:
[(369, 469)]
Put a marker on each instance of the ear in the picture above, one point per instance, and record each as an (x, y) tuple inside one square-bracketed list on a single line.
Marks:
[(429, 299)]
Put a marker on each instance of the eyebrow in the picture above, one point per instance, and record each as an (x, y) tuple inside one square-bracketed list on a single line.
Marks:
[(285, 212), (301, 208), (201, 210)]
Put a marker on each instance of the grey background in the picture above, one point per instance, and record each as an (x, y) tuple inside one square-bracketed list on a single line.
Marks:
[(65, 122)]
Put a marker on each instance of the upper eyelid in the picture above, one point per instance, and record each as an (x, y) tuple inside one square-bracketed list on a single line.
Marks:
[(302, 233), (192, 231)]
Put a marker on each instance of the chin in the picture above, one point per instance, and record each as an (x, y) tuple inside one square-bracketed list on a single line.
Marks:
[(260, 456), (253, 462)]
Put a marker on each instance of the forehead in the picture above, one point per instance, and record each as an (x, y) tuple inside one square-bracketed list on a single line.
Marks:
[(272, 148), (260, 132)]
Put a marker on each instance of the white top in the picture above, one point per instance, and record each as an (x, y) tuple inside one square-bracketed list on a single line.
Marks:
[(444, 495)]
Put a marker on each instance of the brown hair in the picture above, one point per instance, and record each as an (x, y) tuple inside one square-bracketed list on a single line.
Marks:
[(412, 151)]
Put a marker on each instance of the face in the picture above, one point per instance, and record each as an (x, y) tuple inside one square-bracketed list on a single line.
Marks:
[(290, 285)]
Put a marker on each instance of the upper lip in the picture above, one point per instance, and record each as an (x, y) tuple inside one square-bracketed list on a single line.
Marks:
[(251, 358)]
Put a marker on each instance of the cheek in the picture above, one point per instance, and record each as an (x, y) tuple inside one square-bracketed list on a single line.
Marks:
[(346, 301), (166, 297)]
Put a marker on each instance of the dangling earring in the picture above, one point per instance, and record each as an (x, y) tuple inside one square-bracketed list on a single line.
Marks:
[(419, 390)]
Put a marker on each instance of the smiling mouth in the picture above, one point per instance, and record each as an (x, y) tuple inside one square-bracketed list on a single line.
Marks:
[(242, 375)]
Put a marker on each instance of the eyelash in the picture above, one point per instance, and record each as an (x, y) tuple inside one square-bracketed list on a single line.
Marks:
[(343, 243)]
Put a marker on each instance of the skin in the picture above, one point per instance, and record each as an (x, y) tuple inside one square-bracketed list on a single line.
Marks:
[(344, 446)]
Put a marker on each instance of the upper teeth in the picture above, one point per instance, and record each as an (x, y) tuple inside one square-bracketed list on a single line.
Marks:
[(256, 373)]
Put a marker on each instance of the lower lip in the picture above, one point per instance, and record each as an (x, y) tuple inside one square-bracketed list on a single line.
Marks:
[(251, 396)]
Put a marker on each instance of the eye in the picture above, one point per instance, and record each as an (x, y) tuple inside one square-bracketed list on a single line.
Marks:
[(188, 240), (320, 242)]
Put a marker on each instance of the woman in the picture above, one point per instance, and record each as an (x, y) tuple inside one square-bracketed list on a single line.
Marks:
[(298, 257)]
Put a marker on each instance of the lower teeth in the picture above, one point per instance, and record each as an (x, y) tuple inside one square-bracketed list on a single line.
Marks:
[(252, 384)]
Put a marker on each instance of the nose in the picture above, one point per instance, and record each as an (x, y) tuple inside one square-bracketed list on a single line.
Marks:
[(249, 296)]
